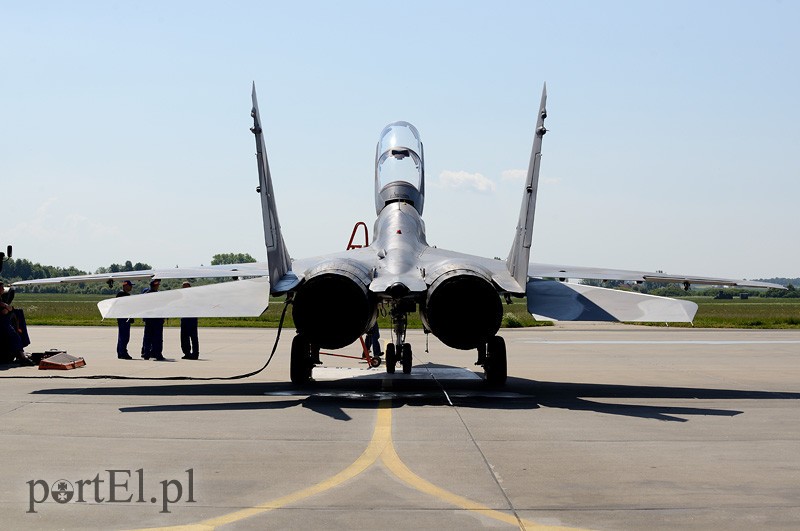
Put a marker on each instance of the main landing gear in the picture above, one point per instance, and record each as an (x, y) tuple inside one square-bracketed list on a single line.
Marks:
[(302, 360), (305, 356), (493, 358)]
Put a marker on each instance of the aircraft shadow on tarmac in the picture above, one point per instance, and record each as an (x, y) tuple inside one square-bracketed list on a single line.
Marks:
[(332, 398)]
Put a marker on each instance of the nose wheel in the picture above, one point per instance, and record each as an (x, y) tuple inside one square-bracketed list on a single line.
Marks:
[(401, 355), (391, 358), (407, 358), (400, 351)]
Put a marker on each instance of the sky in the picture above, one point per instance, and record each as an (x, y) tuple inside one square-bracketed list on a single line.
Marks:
[(672, 143)]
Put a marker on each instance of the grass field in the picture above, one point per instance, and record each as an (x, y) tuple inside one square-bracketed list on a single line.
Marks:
[(81, 310), (750, 313)]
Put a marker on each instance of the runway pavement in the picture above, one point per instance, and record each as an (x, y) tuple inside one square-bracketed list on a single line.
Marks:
[(599, 427)]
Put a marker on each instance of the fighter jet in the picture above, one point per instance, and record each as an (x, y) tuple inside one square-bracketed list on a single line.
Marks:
[(335, 298)]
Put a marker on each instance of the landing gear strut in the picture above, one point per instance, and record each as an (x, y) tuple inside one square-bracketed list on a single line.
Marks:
[(495, 364)]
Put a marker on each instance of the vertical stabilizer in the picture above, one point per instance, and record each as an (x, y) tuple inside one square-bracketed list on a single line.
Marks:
[(278, 259), (521, 248)]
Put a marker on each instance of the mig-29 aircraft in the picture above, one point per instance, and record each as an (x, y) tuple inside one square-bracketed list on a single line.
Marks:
[(335, 298)]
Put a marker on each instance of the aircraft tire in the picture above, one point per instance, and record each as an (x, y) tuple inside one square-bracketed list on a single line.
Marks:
[(391, 359), (300, 364), (407, 358), (496, 367)]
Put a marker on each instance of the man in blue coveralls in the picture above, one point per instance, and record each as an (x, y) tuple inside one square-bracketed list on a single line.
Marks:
[(124, 325), (189, 344), (153, 341)]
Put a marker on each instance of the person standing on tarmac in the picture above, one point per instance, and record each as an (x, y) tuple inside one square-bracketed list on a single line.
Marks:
[(153, 341), (11, 343), (124, 325), (372, 341), (189, 344)]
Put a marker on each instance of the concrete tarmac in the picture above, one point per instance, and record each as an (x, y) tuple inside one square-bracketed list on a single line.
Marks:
[(599, 427)]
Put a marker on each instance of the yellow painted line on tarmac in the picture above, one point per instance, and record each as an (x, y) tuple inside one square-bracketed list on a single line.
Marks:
[(402, 472), (380, 437), (381, 446)]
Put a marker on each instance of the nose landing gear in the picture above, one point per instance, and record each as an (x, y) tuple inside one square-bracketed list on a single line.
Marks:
[(400, 351)]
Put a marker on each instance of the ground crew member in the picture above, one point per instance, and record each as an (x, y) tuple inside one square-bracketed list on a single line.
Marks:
[(189, 344), (124, 325), (153, 341)]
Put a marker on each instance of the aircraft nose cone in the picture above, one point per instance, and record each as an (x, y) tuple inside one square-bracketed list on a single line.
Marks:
[(398, 290)]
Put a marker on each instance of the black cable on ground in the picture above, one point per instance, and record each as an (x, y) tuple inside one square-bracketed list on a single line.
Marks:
[(167, 378)]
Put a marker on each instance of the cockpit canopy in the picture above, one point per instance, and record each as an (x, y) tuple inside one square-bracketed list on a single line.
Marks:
[(399, 167)]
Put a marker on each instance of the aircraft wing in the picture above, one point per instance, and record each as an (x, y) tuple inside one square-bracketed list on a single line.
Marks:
[(255, 269), (599, 273), (241, 298), (244, 298), (561, 301), (564, 301)]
